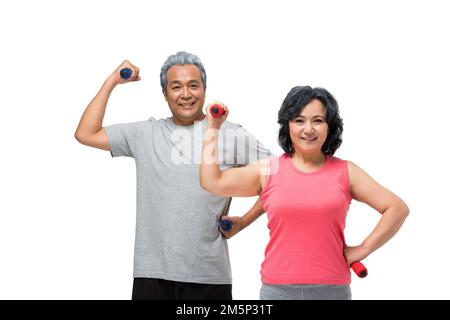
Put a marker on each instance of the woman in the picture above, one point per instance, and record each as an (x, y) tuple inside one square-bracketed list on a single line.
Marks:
[(306, 193)]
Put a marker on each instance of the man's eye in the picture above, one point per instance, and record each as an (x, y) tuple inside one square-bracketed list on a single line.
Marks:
[(176, 88), (194, 86)]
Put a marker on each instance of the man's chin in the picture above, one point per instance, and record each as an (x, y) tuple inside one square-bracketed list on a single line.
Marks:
[(189, 115)]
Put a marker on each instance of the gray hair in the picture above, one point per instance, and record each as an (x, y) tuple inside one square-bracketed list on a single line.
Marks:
[(181, 58)]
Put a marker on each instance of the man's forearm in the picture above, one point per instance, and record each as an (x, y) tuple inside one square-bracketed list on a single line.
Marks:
[(92, 119)]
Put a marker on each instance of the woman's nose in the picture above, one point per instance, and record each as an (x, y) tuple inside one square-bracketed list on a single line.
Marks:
[(308, 127)]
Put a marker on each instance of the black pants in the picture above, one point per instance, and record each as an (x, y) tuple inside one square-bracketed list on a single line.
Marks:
[(159, 289)]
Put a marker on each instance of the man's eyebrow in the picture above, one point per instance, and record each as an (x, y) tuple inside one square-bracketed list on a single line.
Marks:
[(179, 82)]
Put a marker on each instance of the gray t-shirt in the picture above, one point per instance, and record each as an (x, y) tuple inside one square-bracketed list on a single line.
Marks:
[(177, 236)]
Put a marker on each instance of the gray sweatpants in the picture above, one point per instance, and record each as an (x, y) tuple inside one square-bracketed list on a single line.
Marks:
[(305, 292)]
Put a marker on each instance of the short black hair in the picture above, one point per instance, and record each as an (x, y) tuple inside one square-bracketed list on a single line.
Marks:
[(292, 106)]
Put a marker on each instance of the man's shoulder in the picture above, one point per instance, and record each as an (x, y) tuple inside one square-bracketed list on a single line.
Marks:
[(236, 128), (133, 127), (232, 125), (142, 124)]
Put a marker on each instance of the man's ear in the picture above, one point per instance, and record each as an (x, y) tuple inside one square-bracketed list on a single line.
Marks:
[(165, 95)]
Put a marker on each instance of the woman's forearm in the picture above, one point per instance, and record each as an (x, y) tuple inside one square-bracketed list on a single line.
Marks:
[(389, 224), (209, 167)]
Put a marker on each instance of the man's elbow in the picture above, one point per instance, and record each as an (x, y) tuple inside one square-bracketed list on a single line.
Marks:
[(84, 139), (78, 137), (81, 138)]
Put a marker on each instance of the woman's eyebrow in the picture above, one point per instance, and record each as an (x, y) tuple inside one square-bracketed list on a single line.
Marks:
[(314, 116)]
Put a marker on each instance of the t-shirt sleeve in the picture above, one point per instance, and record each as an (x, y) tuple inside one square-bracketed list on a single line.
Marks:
[(249, 148), (123, 139)]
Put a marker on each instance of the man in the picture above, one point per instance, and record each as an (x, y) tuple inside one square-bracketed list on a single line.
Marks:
[(179, 252)]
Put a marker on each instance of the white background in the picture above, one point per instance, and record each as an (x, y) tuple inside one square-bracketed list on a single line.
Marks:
[(67, 212)]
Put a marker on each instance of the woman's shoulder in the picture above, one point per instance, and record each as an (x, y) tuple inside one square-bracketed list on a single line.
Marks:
[(338, 160), (341, 164)]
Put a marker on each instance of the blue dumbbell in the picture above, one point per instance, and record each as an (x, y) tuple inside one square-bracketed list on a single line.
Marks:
[(126, 73), (226, 225)]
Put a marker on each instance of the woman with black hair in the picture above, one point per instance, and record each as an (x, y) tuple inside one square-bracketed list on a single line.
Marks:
[(306, 193)]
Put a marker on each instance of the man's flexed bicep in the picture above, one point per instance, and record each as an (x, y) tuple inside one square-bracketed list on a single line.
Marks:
[(97, 140)]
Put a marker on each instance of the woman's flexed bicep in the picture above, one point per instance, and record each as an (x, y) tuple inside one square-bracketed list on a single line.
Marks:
[(233, 182)]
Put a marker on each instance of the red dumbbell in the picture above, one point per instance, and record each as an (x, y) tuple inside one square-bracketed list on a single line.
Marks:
[(359, 269), (216, 110)]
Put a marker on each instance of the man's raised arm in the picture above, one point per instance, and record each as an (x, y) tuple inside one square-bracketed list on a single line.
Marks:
[(90, 130)]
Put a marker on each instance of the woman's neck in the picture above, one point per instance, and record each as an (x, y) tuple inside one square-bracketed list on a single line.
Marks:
[(309, 162)]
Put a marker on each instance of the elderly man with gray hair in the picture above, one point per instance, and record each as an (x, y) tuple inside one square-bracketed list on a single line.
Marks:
[(179, 251)]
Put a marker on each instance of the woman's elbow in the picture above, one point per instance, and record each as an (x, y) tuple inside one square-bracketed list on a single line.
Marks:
[(208, 185), (405, 210), (203, 183), (402, 209), (398, 208)]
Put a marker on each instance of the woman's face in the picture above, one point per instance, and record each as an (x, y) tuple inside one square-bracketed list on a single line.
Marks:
[(309, 130)]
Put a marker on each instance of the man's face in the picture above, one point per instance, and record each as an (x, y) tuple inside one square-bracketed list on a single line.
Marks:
[(185, 94)]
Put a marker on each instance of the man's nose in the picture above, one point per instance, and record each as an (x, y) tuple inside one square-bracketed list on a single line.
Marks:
[(186, 93)]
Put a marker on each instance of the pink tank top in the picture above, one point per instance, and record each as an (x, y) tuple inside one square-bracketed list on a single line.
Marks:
[(306, 218)]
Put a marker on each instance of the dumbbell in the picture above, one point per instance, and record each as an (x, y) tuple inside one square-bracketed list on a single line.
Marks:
[(216, 110), (125, 73), (359, 269)]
